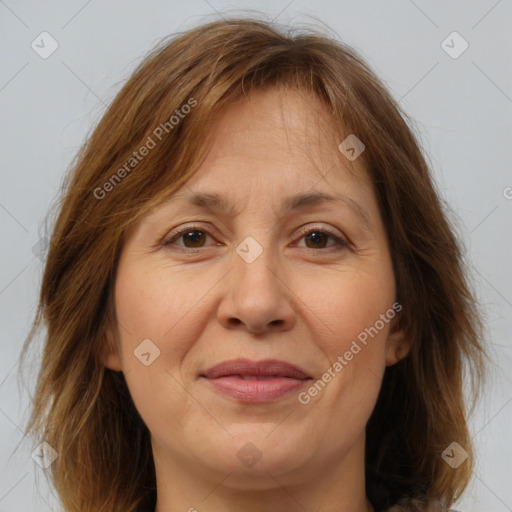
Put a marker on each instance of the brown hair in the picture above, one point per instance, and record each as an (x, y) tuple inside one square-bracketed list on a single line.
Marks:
[(84, 410)]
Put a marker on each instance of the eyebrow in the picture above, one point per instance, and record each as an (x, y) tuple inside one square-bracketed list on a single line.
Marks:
[(217, 202)]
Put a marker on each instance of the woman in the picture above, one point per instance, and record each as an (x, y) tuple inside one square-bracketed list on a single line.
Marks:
[(253, 297)]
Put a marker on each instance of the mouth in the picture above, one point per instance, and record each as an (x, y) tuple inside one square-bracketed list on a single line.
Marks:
[(256, 381)]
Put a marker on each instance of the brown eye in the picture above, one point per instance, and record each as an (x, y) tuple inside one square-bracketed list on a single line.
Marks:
[(191, 238), (195, 237), (318, 239)]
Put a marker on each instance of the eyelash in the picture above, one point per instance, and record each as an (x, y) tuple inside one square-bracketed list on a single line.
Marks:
[(341, 244)]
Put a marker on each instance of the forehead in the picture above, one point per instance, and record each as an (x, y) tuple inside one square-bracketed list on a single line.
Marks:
[(277, 152), (274, 123), (282, 141)]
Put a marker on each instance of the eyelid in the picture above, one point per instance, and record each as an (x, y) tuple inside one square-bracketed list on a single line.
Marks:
[(342, 241), (176, 233)]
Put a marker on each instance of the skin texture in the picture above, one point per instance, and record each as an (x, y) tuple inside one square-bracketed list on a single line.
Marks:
[(303, 301)]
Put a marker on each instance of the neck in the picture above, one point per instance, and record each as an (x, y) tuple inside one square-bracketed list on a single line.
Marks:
[(338, 485)]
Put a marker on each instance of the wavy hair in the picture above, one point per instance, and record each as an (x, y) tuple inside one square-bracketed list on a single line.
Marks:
[(85, 411)]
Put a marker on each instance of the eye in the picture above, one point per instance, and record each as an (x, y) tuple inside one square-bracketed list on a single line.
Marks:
[(317, 239), (194, 238)]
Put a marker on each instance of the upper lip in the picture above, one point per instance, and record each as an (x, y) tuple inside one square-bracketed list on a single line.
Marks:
[(267, 367)]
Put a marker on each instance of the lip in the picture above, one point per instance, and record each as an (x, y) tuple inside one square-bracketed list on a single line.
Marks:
[(256, 381)]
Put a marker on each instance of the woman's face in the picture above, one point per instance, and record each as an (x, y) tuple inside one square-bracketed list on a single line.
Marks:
[(246, 282)]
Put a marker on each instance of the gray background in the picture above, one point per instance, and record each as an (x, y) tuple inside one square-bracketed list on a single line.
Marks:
[(462, 107)]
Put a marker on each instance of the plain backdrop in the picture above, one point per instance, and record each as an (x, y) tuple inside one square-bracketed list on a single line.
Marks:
[(460, 98)]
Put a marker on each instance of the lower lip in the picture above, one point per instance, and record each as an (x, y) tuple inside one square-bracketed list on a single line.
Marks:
[(264, 390)]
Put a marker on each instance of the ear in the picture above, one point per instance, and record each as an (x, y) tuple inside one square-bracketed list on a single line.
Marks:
[(109, 352), (397, 347)]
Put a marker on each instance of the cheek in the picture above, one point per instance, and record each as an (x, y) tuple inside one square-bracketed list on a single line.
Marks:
[(149, 309), (350, 307), (167, 307), (355, 310), (160, 303)]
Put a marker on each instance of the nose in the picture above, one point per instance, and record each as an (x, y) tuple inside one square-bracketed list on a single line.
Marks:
[(256, 296)]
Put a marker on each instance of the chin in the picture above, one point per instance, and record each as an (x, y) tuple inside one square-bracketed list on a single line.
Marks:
[(256, 450)]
